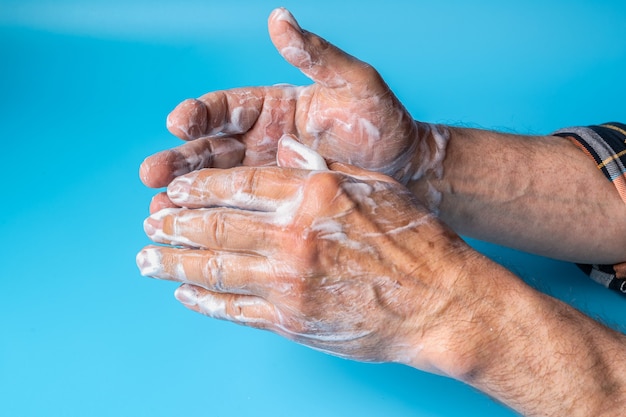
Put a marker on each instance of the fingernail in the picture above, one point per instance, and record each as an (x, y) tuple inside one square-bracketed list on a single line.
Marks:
[(149, 262), (153, 225), (187, 295), (285, 15), (150, 227)]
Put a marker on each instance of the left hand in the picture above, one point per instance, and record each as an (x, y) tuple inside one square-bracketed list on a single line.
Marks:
[(344, 261), (349, 114)]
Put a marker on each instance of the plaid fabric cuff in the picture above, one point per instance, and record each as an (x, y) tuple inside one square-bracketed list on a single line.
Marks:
[(606, 145)]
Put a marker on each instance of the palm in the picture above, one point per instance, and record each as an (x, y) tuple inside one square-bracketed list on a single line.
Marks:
[(348, 115), (339, 125), (350, 126)]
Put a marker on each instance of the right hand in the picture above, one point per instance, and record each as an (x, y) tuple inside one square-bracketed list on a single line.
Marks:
[(341, 260)]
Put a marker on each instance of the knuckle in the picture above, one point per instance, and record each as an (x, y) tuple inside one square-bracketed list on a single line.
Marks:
[(323, 183), (245, 181), (234, 309), (370, 72), (325, 192), (214, 274), (215, 221), (317, 43), (248, 311), (304, 252)]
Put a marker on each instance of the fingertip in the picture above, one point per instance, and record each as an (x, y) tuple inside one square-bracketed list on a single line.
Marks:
[(161, 201), (179, 189), (149, 176), (293, 154), (287, 37), (187, 295), (319, 59), (188, 120), (281, 14), (155, 171), (283, 159), (144, 173), (286, 139), (149, 261)]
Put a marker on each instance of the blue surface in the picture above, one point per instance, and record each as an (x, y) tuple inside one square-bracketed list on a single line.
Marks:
[(84, 90)]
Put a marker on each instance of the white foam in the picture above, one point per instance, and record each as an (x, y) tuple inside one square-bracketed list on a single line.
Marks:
[(432, 160), (282, 14), (361, 191), (330, 229), (180, 187), (310, 159), (179, 272), (297, 56), (149, 262), (285, 212), (370, 131), (174, 238), (187, 295), (216, 306)]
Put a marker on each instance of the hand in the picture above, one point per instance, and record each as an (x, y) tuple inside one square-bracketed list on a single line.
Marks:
[(343, 261), (348, 115)]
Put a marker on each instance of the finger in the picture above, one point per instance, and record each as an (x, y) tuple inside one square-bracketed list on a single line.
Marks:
[(318, 59), (360, 173), (227, 112), (216, 229), (241, 309), (293, 154), (159, 202), (263, 189), (620, 270), (222, 272), (160, 169)]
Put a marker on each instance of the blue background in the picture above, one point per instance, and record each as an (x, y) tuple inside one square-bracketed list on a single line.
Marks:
[(84, 90)]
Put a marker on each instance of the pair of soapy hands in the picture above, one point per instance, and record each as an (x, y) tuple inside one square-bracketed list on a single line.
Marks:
[(332, 253)]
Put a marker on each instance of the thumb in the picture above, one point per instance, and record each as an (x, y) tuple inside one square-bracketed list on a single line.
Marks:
[(360, 173), (318, 59), (293, 154)]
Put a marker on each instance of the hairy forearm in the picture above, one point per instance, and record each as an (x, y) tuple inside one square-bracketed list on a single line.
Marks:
[(553, 360), (539, 194), (537, 355)]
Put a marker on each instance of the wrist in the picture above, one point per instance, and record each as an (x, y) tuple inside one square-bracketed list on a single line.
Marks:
[(524, 348), (482, 297), (431, 142), (453, 328)]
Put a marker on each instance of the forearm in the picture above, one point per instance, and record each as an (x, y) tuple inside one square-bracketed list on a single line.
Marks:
[(539, 194), (553, 360), (529, 351)]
